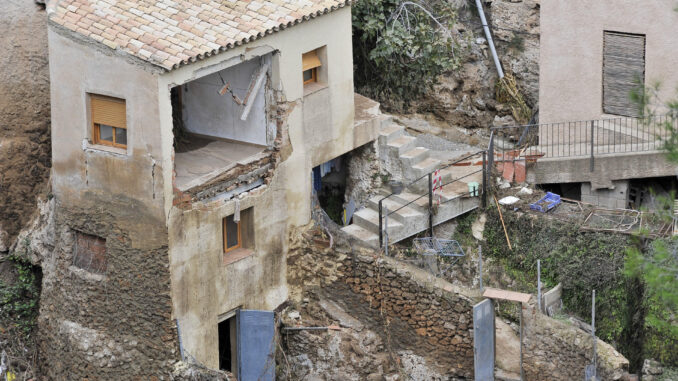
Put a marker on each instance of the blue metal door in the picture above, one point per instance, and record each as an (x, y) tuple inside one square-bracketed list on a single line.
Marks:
[(256, 345), (483, 340)]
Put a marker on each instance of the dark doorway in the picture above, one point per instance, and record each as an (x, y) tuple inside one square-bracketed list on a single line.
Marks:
[(227, 351), (329, 181), (567, 190)]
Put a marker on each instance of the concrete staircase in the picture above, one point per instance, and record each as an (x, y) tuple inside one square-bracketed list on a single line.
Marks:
[(407, 161)]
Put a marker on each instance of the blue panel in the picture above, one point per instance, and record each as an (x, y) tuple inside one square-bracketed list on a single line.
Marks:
[(483, 340), (256, 345)]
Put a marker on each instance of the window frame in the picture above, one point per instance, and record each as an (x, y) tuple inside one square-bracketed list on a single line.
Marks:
[(96, 126), (227, 249), (314, 75), (311, 61)]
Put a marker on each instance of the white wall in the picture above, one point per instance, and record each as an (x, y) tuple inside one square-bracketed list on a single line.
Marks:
[(206, 112), (571, 52)]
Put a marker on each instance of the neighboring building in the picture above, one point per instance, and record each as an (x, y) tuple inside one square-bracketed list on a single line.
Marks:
[(593, 54), (184, 134)]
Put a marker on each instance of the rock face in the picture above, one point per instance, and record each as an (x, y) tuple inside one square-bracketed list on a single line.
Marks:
[(24, 115), (465, 98)]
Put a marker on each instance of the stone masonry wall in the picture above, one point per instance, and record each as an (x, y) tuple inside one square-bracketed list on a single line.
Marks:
[(115, 324), (562, 351), (429, 316)]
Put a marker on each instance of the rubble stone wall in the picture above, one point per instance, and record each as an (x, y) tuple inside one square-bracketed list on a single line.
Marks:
[(563, 351), (429, 316), (115, 324)]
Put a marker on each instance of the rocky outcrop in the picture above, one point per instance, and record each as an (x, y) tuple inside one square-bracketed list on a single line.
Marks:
[(466, 97), (24, 115)]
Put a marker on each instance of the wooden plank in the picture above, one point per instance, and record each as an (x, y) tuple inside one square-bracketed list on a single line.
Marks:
[(623, 71), (494, 293)]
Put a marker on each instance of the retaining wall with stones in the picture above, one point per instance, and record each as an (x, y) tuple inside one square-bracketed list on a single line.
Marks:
[(563, 351), (429, 316)]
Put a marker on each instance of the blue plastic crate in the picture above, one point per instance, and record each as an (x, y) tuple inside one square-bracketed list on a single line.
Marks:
[(546, 203)]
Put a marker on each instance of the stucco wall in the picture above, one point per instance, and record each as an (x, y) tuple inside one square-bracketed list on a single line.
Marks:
[(76, 69), (203, 286), (571, 55), (208, 113)]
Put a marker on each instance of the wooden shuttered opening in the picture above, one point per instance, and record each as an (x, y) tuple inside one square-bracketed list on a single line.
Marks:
[(310, 60), (108, 111), (623, 72)]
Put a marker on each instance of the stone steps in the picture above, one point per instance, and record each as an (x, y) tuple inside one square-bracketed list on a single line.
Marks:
[(409, 210)]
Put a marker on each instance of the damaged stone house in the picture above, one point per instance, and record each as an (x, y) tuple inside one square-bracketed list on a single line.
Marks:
[(185, 135)]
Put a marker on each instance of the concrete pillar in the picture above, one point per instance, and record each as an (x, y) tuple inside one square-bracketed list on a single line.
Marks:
[(614, 198)]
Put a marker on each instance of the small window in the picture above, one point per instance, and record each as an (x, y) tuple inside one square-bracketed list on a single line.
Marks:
[(232, 234), (109, 121), (310, 64), (90, 253)]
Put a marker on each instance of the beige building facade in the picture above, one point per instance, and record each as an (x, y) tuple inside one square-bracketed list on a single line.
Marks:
[(211, 147), (571, 52)]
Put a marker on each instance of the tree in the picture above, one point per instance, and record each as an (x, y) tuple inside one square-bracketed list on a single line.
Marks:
[(401, 47)]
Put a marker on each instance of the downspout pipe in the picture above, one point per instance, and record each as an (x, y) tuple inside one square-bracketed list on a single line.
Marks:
[(488, 36)]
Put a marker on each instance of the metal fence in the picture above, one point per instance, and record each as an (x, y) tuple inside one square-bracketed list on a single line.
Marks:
[(428, 186), (587, 138)]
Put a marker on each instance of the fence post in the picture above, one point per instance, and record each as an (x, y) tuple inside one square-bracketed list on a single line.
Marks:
[(539, 285), (480, 267), (490, 159), (592, 141), (430, 203), (484, 199), (381, 233)]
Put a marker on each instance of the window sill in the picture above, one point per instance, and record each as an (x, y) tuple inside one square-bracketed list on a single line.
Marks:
[(314, 87), (87, 146), (236, 255)]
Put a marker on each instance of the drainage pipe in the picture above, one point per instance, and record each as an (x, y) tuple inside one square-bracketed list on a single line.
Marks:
[(490, 42)]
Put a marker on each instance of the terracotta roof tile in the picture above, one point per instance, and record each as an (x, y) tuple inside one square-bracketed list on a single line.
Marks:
[(171, 33)]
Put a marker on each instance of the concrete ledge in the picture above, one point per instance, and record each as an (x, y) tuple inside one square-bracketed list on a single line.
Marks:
[(608, 167)]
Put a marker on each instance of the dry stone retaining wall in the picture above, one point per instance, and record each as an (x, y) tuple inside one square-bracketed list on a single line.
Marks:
[(421, 313)]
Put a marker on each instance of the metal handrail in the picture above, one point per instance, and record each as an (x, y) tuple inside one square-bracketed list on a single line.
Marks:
[(430, 190)]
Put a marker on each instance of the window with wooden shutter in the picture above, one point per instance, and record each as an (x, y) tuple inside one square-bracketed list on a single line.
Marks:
[(623, 72), (310, 64), (109, 121)]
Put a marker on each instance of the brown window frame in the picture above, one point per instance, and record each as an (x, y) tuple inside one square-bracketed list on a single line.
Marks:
[(310, 61), (96, 125), (227, 249), (314, 75)]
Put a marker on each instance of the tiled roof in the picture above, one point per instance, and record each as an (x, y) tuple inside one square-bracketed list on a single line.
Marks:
[(171, 33)]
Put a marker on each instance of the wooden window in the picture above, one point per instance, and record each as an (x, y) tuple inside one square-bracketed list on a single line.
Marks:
[(310, 64), (623, 72), (232, 234), (90, 253), (109, 121)]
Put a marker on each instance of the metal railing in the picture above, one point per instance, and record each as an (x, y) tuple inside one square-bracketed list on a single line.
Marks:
[(429, 177), (586, 138)]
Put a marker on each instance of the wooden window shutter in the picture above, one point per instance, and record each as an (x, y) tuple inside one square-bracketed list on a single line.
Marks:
[(108, 111), (310, 60), (623, 72)]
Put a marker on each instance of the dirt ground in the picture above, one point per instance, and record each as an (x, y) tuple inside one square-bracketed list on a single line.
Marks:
[(25, 154)]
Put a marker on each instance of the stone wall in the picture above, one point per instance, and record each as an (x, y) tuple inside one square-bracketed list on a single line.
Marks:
[(421, 313), (563, 351), (115, 324)]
